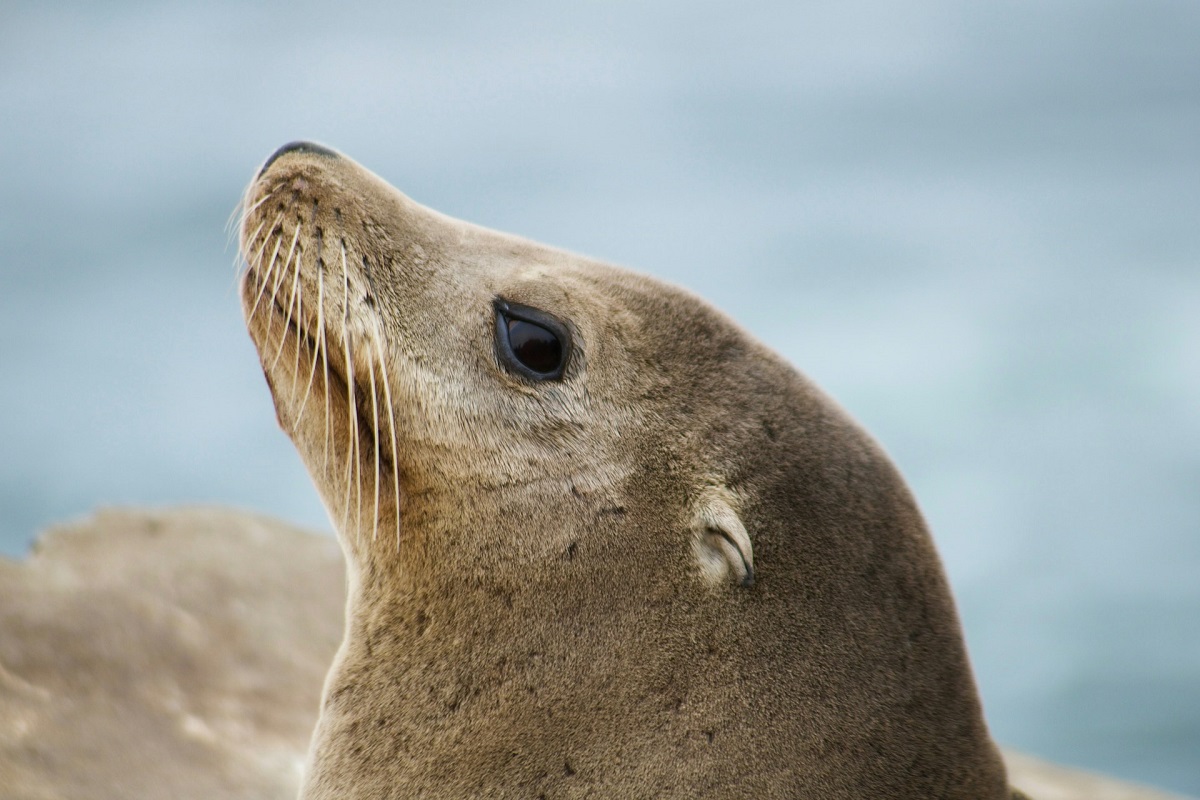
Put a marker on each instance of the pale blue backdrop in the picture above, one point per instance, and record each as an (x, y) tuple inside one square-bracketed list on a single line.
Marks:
[(976, 224)]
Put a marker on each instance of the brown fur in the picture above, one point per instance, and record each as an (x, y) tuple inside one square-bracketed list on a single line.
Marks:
[(532, 621)]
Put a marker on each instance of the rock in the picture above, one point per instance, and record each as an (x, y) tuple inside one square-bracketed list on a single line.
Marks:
[(181, 653), (177, 654), (1042, 780)]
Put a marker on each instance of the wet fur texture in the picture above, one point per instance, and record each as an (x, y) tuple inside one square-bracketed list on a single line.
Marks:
[(527, 613)]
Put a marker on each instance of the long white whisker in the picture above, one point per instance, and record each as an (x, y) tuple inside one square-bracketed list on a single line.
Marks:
[(239, 256), (312, 372), (256, 261), (323, 346), (240, 212), (387, 396), (243, 214), (299, 337), (266, 238), (358, 456), (355, 476), (293, 301), (375, 415), (352, 451), (266, 276), (280, 277), (258, 204)]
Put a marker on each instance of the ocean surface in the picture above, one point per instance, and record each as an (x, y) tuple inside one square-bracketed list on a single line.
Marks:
[(977, 225)]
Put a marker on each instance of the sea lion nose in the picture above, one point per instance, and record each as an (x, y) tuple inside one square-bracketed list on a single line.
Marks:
[(297, 147)]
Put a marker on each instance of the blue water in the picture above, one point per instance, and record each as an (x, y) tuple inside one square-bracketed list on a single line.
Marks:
[(977, 225)]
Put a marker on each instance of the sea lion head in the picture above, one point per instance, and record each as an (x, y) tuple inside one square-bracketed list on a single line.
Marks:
[(598, 538)]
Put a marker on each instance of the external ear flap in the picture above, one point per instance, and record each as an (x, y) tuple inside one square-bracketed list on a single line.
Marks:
[(720, 542)]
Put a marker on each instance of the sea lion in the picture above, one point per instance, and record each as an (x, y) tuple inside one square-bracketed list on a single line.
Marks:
[(599, 540)]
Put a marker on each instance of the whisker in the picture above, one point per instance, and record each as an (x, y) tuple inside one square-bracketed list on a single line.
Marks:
[(241, 214), (355, 475), (254, 236), (323, 346), (239, 257), (299, 335), (294, 299), (238, 213), (280, 277), (379, 340), (258, 203), (257, 260), (375, 415), (387, 396), (312, 372), (352, 450), (265, 277)]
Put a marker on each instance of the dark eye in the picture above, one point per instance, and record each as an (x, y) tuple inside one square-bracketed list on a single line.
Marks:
[(531, 342), (534, 346)]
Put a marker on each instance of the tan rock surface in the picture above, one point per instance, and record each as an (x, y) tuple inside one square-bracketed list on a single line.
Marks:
[(164, 655), (181, 654), (1042, 780)]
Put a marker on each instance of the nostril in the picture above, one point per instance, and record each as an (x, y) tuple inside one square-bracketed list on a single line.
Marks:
[(297, 147)]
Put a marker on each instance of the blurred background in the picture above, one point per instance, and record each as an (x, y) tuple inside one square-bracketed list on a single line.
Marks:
[(976, 224)]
